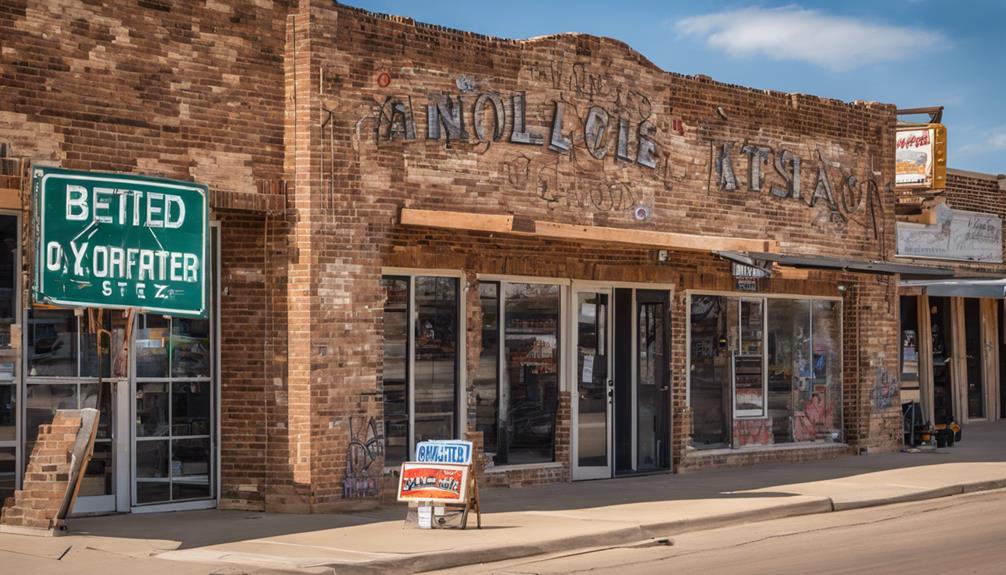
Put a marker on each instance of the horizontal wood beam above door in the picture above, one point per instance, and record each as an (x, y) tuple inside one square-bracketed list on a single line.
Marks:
[(516, 225)]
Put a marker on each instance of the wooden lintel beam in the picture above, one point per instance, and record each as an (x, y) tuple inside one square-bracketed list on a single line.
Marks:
[(506, 224), (10, 199)]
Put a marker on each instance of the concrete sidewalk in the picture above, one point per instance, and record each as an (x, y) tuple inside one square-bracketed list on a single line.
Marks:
[(531, 521)]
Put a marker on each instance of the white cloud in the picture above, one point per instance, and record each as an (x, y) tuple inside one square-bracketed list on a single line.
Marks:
[(997, 141), (793, 33)]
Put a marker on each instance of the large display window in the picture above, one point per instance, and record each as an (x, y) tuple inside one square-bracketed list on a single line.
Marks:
[(8, 384), (421, 362), (764, 370), (517, 383)]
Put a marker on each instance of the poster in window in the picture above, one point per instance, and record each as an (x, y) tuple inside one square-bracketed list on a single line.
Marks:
[(749, 386), (909, 356)]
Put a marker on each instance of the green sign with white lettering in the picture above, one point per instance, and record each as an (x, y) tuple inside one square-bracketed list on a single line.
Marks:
[(120, 241)]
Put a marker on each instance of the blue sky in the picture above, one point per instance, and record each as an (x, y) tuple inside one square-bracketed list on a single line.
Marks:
[(911, 53)]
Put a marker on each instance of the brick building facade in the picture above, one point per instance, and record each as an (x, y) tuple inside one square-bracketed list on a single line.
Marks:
[(424, 232), (956, 374)]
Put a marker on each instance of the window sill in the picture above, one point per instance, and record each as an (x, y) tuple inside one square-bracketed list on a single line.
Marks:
[(700, 453), (523, 466)]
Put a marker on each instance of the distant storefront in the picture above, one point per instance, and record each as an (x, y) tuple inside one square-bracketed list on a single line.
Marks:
[(952, 329)]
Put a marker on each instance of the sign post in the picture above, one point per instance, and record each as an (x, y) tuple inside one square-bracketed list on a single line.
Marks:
[(120, 241)]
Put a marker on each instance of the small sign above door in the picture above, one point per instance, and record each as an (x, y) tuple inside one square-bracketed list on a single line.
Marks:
[(746, 271)]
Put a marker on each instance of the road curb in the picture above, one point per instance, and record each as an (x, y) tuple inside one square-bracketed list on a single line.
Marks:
[(610, 538), (665, 529), (460, 558), (619, 536)]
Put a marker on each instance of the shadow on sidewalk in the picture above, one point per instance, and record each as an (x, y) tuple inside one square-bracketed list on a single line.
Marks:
[(189, 529)]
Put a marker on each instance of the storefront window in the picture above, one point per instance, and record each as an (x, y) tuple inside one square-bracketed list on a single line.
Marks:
[(910, 383), (791, 346), (973, 357), (396, 358), (789, 367), (61, 378), (942, 346), (822, 406), (420, 363), (436, 358), (487, 375), (749, 362), (8, 276), (527, 396), (174, 409), (710, 365)]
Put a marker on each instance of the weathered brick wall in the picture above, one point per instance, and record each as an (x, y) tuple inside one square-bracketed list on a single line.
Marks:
[(971, 191), (236, 94), (176, 89), (187, 90), (377, 74)]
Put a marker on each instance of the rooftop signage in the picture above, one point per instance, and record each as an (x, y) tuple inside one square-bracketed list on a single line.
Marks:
[(956, 235), (921, 157), (120, 241)]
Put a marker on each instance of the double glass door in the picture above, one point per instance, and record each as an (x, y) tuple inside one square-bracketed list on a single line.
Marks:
[(156, 438), (621, 399)]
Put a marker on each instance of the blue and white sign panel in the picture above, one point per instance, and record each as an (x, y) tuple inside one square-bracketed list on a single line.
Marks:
[(454, 451)]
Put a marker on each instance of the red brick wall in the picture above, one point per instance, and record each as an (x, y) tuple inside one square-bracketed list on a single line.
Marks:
[(367, 59), (187, 90), (235, 94)]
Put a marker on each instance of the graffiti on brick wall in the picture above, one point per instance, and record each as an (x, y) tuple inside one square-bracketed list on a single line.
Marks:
[(885, 389), (752, 432), (366, 445), (745, 167)]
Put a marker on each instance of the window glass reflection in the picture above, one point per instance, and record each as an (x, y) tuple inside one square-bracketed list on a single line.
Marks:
[(436, 352), (8, 411), (52, 343), (802, 344), (152, 409), (190, 408), (8, 472), (98, 475), (41, 403), (395, 374), (824, 405), (190, 347), (487, 375), (8, 276), (709, 361), (190, 468), (152, 479), (529, 392), (90, 360), (789, 367), (151, 346)]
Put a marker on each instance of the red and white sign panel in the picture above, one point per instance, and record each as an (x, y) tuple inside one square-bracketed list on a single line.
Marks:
[(437, 482)]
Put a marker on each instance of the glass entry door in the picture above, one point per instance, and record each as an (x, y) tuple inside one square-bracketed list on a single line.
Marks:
[(592, 400), (652, 381)]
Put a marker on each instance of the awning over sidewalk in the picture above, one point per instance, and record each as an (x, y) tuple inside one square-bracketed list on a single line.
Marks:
[(961, 287), (760, 259)]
